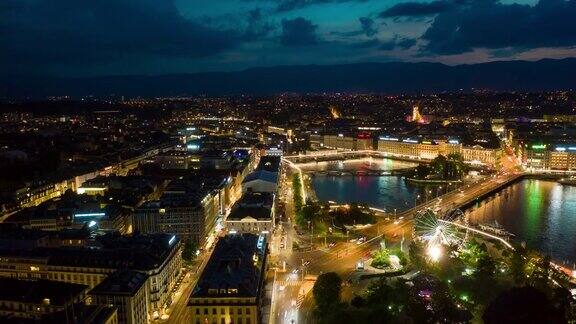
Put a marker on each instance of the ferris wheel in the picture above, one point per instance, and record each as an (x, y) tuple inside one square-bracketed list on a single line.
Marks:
[(435, 229)]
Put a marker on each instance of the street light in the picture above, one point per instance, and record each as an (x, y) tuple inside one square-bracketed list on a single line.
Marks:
[(434, 252)]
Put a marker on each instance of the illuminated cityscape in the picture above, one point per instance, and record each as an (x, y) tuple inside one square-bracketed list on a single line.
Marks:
[(287, 161)]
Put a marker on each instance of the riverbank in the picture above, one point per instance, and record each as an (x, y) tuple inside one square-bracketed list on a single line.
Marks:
[(433, 182)]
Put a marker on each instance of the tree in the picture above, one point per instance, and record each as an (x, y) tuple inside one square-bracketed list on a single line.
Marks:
[(422, 171), (358, 302), (485, 267), (297, 189), (381, 259), (541, 275), (438, 164), (326, 290), (521, 305), (189, 250), (416, 254), (518, 265), (563, 301)]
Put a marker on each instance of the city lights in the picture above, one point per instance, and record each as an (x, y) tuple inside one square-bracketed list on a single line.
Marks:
[(434, 252)]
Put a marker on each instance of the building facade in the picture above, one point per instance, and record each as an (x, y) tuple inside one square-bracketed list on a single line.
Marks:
[(126, 290), (231, 287), (158, 256), (428, 150)]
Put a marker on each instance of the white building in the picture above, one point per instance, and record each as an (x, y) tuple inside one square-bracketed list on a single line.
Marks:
[(254, 213)]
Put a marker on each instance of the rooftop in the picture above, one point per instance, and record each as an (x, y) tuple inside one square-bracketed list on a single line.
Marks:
[(122, 282), (39, 291), (236, 268), (135, 252), (269, 163), (257, 205), (262, 175)]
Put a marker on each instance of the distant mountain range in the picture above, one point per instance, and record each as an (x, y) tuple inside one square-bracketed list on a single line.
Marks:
[(361, 77)]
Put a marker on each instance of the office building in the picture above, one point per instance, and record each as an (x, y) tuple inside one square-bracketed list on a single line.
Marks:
[(231, 287), (187, 207), (125, 289)]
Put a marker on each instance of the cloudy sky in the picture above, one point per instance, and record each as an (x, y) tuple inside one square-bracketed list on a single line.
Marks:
[(101, 37)]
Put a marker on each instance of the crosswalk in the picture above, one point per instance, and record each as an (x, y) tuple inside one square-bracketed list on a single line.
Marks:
[(300, 300), (290, 283)]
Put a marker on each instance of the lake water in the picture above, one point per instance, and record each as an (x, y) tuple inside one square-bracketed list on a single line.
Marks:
[(540, 213), (386, 192)]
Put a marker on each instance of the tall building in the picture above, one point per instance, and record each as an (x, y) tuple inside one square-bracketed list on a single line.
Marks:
[(231, 287), (125, 289), (187, 208)]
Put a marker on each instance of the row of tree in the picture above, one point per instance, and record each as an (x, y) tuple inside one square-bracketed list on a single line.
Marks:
[(451, 167), (352, 214)]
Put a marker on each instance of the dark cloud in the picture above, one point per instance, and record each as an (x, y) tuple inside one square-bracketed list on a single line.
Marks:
[(46, 34), (371, 43), (493, 25), (417, 9), (258, 26), (368, 26), (397, 42), (298, 32), (289, 5)]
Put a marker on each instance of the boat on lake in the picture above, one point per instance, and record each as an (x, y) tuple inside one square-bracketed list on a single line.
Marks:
[(494, 228)]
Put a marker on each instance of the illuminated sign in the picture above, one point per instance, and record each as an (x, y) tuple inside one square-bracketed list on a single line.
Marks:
[(539, 146), (389, 138), (560, 149), (454, 142), (83, 190), (260, 243), (572, 148), (193, 146), (340, 135), (426, 142), (90, 215), (409, 141)]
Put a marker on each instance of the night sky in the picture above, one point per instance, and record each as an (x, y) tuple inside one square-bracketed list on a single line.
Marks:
[(103, 37)]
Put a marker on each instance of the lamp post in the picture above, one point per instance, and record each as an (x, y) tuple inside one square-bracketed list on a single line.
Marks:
[(416, 199)]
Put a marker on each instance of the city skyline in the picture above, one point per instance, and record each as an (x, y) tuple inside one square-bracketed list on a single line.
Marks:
[(287, 161)]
